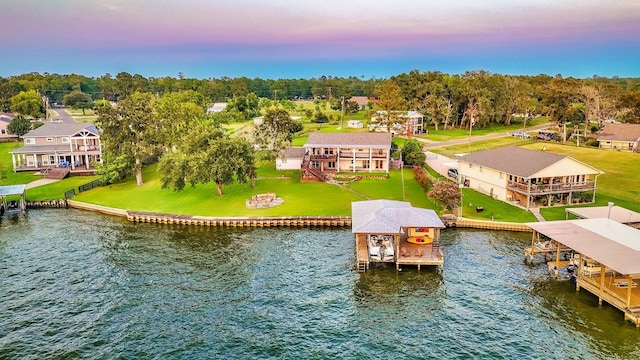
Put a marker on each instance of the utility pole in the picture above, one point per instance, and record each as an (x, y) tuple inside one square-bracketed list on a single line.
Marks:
[(342, 113)]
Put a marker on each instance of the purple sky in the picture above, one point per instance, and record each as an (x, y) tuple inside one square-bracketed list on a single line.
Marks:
[(307, 38)]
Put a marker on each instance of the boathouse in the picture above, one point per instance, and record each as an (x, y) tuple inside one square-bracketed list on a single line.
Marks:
[(608, 261), (394, 232), (613, 212), (12, 197)]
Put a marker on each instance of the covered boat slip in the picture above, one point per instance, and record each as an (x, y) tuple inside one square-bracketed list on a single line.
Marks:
[(17, 191), (609, 262), (394, 232)]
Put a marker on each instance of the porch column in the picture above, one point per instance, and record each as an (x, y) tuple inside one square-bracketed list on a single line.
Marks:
[(602, 267), (353, 159), (370, 159), (629, 286), (13, 161), (35, 160), (387, 160), (557, 259), (86, 161)]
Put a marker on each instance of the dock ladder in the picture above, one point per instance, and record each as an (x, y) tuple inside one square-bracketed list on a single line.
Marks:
[(362, 266)]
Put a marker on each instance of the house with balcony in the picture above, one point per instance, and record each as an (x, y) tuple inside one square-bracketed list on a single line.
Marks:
[(57, 149), (618, 136), (405, 123), (329, 153), (528, 178)]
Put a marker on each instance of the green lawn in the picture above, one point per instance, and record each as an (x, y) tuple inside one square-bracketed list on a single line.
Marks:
[(7, 176)]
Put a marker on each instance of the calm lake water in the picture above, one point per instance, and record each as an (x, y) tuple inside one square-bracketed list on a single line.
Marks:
[(81, 285)]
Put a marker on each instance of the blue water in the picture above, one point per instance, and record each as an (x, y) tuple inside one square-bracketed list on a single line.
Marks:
[(81, 285)]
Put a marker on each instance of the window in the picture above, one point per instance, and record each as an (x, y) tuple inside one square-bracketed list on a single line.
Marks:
[(365, 164), (3, 131), (331, 165), (328, 151), (315, 164), (49, 139), (29, 141), (378, 164)]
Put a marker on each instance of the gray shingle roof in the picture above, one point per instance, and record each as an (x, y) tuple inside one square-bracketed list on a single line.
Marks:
[(378, 140), (51, 129), (388, 216), (513, 160), (36, 149)]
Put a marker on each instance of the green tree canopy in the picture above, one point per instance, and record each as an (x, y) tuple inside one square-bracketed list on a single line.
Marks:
[(28, 103), (131, 132), (412, 154), (208, 155), (276, 130), (78, 100), (19, 126)]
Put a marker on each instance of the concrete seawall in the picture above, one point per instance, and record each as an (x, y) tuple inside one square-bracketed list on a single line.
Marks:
[(274, 221)]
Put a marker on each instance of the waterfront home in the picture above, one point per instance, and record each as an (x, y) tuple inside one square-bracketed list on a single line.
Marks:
[(58, 148), (528, 178), (326, 154), (608, 264), (620, 137), (394, 232)]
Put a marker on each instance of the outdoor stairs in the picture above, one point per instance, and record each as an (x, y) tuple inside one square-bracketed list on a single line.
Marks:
[(313, 171), (58, 173)]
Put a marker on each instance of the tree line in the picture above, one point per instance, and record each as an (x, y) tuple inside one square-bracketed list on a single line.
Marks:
[(477, 97)]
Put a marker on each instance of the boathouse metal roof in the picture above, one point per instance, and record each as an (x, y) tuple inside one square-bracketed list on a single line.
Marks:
[(606, 241), (617, 213), (388, 216), (12, 190)]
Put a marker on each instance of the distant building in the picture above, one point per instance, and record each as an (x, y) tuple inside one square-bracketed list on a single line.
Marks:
[(217, 107), (355, 124), (618, 136), (5, 119), (290, 159), (362, 101)]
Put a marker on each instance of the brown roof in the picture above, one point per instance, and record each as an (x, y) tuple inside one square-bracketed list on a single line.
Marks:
[(514, 160), (293, 153), (378, 140), (607, 241), (620, 132)]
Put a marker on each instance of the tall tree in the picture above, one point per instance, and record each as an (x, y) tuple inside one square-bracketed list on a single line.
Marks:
[(78, 100), (28, 103), (19, 126), (131, 131), (208, 155), (390, 102), (276, 130)]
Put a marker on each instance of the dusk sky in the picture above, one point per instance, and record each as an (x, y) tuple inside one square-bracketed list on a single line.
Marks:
[(308, 38)]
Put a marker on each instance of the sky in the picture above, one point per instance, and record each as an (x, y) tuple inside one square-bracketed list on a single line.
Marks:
[(288, 39)]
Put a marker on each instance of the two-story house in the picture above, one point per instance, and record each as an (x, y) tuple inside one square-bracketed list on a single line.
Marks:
[(329, 153), (528, 178), (74, 147), (406, 123)]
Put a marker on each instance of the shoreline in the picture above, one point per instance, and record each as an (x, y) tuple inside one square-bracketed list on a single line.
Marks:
[(275, 221)]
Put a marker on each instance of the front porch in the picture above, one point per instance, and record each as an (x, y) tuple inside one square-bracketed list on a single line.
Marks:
[(529, 193)]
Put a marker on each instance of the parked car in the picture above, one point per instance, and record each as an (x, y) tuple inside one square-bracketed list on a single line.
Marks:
[(453, 173), (521, 134), (546, 135)]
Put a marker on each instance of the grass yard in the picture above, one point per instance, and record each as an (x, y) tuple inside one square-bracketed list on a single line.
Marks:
[(621, 171), (7, 176), (457, 133)]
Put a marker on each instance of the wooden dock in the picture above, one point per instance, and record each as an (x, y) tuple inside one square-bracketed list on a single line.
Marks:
[(615, 291)]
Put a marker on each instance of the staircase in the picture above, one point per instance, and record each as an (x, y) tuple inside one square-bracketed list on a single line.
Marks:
[(58, 173), (308, 170)]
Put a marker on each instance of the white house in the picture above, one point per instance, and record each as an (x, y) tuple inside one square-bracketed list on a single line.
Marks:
[(355, 124)]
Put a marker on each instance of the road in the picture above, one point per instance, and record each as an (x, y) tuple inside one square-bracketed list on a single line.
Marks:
[(434, 144), (63, 116)]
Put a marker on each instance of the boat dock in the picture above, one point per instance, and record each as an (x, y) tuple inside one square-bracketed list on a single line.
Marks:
[(608, 260)]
